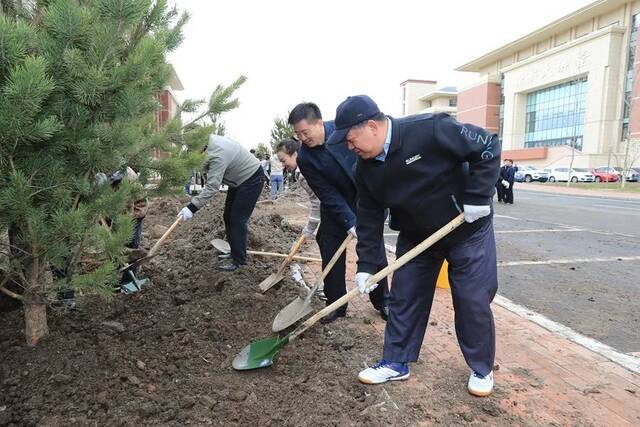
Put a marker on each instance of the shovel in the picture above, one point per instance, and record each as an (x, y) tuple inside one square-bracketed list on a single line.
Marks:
[(276, 277), (260, 354), (299, 307), (223, 247), (154, 249)]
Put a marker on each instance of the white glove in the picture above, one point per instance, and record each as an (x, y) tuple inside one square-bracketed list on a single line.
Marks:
[(186, 214), (308, 231), (352, 231), (505, 183), (473, 213), (361, 283)]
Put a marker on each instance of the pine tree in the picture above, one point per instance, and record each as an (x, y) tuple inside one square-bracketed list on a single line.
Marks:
[(281, 130), (78, 80), (220, 102), (262, 150)]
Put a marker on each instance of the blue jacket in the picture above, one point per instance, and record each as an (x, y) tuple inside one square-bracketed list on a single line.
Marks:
[(508, 173), (424, 183), (329, 171)]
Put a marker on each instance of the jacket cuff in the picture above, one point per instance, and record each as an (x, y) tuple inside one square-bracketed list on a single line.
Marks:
[(365, 267), (350, 223), (193, 208), (473, 199)]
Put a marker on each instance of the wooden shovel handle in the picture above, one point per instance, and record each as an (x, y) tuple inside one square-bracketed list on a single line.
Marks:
[(275, 254), (329, 266), (155, 247), (294, 250), (429, 241)]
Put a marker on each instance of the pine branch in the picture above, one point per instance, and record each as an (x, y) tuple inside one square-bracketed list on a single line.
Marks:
[(7, 291)]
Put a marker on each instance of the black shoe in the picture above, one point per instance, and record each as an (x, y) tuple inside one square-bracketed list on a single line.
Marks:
[(332, 317), (229, 267), (384, 313)]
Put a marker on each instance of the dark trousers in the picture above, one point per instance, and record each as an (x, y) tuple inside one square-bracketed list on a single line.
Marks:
[(500, 191), (238, 207), (474, 282), (508, 194), (329, 239)]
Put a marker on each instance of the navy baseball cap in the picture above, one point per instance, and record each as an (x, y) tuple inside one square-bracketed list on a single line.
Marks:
[(352, 111)]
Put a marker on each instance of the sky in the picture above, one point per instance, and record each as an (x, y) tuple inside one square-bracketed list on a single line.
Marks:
[(295, 51)]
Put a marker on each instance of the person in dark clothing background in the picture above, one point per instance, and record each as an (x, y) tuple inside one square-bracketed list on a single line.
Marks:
[(330, 174), (414, 166), (508, 175), (500, 188)]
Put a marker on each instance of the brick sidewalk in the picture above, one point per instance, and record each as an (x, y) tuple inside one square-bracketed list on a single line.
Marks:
[(540, 376)]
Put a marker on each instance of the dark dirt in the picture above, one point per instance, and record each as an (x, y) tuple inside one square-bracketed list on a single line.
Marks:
[(163, 356)]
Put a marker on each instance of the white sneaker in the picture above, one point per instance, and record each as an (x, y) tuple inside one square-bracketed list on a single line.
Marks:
[(384, 371), (480, 386)]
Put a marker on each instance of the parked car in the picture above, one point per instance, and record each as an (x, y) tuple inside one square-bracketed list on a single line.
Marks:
[(605, 174), (529, 173), (633, 175), (576, 175)]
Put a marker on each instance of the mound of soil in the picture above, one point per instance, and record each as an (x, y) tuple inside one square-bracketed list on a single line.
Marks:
[(163, 356)]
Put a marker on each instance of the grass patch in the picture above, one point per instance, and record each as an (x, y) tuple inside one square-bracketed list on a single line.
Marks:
[(613, 187)]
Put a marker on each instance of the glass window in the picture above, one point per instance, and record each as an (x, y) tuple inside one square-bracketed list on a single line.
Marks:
[(555, 115)]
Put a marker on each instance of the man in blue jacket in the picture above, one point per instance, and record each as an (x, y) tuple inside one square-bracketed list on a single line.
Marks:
[(330, 174), (426, 169), (508, 175)]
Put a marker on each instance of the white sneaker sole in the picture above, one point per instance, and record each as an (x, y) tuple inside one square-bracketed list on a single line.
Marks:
[(370, 382), (479, 393)]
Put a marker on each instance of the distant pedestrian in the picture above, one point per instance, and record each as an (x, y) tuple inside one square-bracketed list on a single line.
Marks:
[(508, 175), (500, 189), (276, 176)]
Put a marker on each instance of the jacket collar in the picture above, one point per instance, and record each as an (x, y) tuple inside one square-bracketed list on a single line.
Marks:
[(396, 141)]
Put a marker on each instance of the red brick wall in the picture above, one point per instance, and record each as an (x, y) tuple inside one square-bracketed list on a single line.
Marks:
[(634, 118), (163, 115), (537, 153), (480, 105)]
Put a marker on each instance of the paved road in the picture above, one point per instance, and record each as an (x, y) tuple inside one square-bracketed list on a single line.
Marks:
[(574, 259)]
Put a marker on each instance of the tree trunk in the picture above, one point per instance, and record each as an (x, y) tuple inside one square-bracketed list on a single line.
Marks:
[(35, 322), (40, 280)]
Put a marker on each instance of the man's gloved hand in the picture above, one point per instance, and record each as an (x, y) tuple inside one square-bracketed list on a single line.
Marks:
[(361, 283), (473, 213), (186, 214), (308, 231), (505, 183), (352, 231)]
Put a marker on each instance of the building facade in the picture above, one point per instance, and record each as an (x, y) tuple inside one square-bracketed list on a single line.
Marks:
[(424, 96), (169, 104), (573, 85)]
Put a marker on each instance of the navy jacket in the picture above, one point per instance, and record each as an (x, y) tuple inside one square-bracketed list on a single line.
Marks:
[(329, 171), (424, 183), (508, 173)]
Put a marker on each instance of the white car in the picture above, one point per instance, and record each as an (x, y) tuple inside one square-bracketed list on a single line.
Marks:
[(529, 173), (576, 175)]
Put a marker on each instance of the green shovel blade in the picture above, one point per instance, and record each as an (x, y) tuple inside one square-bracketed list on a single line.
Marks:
[(259, 354)]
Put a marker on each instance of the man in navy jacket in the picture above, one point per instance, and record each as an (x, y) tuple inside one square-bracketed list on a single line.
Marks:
[(508, 175), (426, 169), (330, 174)]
